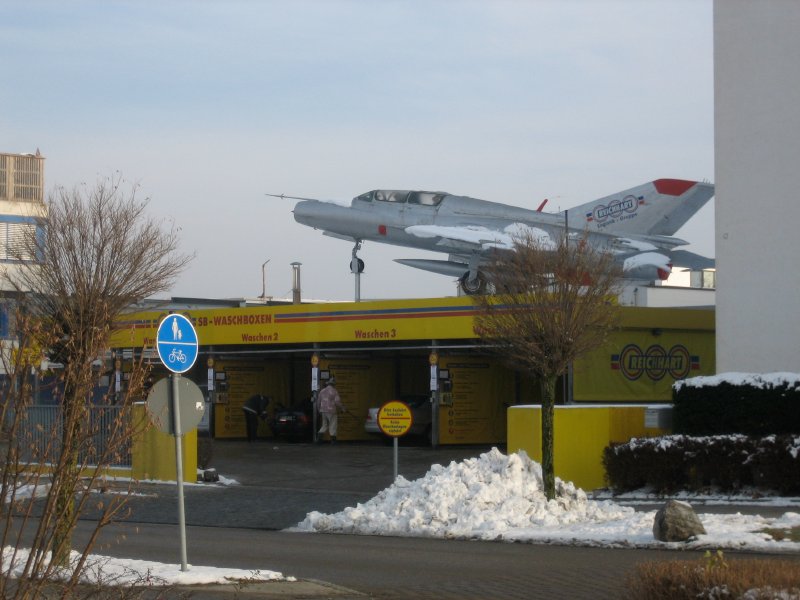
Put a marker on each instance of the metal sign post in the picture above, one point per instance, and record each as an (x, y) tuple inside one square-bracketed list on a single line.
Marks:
[(177, 345), (395, 419), (314, 394), (176, 427)]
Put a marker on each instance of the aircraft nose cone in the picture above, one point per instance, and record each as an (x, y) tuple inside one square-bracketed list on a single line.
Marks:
[(304, 211)]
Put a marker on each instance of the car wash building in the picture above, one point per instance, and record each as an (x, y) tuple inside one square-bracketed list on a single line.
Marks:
[(384, 350)]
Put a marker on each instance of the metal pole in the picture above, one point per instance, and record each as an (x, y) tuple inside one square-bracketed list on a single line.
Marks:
[(264, 280), (176, 431), (435, 401), (395, 459), (314, 411)]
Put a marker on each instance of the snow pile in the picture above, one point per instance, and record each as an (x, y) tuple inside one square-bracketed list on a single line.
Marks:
[(499, 497), (483, 497)]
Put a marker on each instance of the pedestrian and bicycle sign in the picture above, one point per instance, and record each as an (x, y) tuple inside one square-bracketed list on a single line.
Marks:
[(176, 342), (395, 419)]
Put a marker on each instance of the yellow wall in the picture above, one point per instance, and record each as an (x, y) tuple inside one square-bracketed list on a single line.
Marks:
[(579, 437), (154, 453)]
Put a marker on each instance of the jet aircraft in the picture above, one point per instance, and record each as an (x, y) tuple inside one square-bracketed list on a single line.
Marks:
[(636, 225)]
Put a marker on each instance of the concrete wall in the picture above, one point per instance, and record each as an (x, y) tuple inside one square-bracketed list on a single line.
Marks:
[(757, 152)]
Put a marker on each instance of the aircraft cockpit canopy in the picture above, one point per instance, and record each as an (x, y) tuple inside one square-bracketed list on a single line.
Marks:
[(403, 196)]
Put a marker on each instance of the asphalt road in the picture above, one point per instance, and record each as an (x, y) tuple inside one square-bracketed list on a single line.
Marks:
[(389, 567), (278, 484)]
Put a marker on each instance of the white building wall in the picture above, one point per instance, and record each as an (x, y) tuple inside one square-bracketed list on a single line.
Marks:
[(757, 153), (667, 297)]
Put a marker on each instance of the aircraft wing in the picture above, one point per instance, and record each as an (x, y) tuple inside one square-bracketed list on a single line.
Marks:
[(442, 267), (477, 238), (642, 256), (644, 243), (690, 260)]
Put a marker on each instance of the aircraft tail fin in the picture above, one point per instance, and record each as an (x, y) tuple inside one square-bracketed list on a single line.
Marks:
[(659, 207)]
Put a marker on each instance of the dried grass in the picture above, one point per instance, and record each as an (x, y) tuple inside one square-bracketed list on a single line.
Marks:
[(715, 577)]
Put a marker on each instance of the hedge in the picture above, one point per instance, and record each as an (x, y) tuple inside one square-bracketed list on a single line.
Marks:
[(723, 463)]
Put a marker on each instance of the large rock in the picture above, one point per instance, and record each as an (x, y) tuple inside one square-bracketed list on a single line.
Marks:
[(676, 522)]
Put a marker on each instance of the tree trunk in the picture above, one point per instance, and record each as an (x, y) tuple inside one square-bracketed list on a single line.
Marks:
[(67, 477), (548, 403)]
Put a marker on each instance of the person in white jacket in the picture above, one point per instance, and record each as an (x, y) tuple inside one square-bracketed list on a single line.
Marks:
[(329, 404)]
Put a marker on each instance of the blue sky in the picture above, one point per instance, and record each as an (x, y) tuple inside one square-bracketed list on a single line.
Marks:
[(208, 105)]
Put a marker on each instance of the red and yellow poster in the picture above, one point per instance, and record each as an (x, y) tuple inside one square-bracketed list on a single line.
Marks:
[(638, 366)]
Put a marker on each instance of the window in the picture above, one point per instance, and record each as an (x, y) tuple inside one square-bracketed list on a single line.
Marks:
[(27, 179), (391, 195), (21, 178), (15, 237), (426, 198), (6, 312), (3, 177)]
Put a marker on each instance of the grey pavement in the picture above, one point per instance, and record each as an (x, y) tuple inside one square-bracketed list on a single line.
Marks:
[(278, 483)]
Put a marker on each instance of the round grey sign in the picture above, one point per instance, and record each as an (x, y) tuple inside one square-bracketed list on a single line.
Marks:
[(191, 405)]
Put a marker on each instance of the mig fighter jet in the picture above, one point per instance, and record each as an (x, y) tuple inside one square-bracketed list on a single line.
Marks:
[(635, 225)]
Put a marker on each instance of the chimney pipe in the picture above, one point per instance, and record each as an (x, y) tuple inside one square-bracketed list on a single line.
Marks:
[(296, 282)]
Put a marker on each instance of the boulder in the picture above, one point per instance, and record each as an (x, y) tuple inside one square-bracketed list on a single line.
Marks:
[(210, 475), (676, 521)]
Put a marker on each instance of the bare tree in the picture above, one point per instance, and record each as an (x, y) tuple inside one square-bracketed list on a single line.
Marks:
[(553, 303), (94, 254), (35, 476)]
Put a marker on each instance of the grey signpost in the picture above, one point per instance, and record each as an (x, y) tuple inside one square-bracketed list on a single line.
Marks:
[(176, 341)]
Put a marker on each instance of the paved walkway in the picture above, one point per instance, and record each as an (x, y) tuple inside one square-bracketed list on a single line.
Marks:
[(279, 483)]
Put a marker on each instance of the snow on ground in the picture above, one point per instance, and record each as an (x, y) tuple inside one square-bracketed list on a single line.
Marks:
[(124, 572), (499, 497)]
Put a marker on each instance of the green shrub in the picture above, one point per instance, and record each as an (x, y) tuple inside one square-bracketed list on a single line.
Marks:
[(724, 463)]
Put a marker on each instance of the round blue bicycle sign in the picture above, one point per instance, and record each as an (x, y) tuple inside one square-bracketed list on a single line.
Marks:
[(176, 342)]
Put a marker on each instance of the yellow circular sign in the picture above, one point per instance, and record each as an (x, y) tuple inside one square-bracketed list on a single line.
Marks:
[(395, 418), (314, 360), (433, 359)]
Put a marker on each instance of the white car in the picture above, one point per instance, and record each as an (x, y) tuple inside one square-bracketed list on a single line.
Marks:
[(420, 405)]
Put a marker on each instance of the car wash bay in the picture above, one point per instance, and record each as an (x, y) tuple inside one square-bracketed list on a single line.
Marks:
[(384, 350)]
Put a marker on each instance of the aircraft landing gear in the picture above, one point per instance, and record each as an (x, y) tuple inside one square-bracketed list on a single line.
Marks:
[(356, 268), (356, 265), (472, 285)]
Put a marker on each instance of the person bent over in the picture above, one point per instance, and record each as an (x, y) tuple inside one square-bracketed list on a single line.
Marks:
[(254, 407)]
